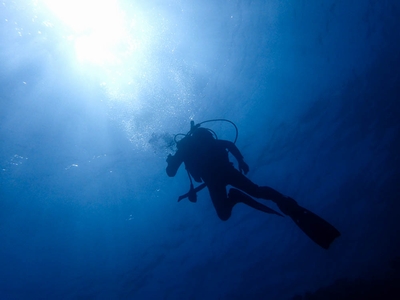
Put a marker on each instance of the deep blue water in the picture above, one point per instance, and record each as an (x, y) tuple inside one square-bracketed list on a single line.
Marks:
[(86, 209)]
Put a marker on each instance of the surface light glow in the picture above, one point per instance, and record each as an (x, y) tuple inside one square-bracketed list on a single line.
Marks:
[(98, 29)]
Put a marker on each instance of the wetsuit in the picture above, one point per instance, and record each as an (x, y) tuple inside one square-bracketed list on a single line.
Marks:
[(206, 159)]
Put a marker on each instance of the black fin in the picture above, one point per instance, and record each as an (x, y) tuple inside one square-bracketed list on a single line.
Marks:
[(316, 228)]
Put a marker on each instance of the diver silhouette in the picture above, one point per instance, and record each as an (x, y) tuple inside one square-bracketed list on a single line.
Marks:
[(206, 160)]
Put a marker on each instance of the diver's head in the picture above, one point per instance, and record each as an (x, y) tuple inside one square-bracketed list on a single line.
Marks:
[(203, 134), (197, 135)]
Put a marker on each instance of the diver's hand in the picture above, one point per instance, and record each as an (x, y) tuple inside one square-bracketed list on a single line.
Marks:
[(243, 167)]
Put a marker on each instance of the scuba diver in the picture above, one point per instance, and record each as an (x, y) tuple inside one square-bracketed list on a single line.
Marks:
[(206, 160)]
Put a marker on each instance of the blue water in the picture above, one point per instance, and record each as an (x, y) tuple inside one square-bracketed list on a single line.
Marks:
[(86, 209)]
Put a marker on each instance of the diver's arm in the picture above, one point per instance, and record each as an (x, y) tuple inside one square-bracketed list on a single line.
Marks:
[(243, 167), (174, 161)]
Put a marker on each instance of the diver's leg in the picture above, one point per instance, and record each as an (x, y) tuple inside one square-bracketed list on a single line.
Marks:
[(286, 204), (241, 182), (319, 230), (238, 196), (222, 204)]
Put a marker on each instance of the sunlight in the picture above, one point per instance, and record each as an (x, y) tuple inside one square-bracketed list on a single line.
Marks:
[(98, 28), (120, 48), (94, 49), (113, 41)]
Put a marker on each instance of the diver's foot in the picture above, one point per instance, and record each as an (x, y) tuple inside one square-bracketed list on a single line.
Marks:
[(287, 205)]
